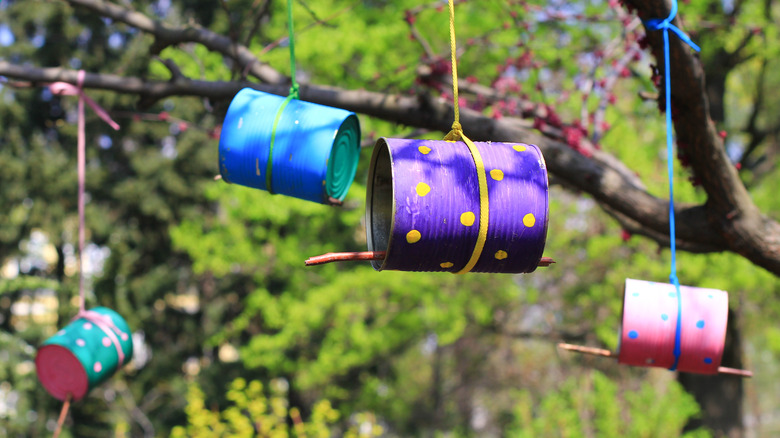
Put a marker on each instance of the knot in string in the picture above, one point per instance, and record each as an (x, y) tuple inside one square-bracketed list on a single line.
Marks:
[(294, 93), (658, 24), (666, 24), (456, 132), (68, 89)]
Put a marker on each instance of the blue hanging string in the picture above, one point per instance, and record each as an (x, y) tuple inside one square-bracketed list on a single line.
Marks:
[(666, 25)]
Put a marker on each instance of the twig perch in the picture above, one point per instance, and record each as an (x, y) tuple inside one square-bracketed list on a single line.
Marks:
[(606, 353), (374, 255)]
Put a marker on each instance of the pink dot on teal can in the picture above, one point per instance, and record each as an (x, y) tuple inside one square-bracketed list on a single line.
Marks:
[(633, 334), (123, 336), (87, 326), (106, 342), (98, 367), (80, 342), (700, 324)]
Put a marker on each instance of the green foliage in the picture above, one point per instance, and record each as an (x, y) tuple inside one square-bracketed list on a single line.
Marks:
[(413, 352), (595, 406), (254, 411), (24, 283), (355, 319)]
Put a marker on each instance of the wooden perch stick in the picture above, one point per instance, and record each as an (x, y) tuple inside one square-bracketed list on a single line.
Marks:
[(735, 371), (63, 415), (607, 353), (586, 350), (373, 255), (345, 257)]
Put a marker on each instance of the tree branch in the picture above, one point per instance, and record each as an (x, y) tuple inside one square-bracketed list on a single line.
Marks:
[(730, 209), (602, 175), (167, 36), (728, 221)]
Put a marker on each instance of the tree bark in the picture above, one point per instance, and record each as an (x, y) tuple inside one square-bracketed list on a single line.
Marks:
[(720, 396)]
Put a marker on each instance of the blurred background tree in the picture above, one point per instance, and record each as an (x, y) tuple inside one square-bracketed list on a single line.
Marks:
[(210, 276)]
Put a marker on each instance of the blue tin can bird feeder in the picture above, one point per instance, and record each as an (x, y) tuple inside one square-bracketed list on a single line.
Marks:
[(311, 152)]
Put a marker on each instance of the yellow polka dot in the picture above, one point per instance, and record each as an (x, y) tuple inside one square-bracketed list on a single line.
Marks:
[(501, 254), (467, 218), (413, 236), (446, 265), (518, 147), (424, 150), (423, 189), (497, 174), (529, 220)]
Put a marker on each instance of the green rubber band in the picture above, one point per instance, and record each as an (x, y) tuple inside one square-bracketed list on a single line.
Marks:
[(269, 164)]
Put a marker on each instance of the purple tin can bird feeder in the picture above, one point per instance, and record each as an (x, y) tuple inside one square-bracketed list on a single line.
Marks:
[(425, 208)]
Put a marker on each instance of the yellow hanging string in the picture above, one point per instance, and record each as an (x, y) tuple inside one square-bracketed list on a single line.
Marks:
[(456, 134), (457, 131)]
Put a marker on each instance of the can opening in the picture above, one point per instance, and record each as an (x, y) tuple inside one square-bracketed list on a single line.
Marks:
[(380, 204), (343, 160)]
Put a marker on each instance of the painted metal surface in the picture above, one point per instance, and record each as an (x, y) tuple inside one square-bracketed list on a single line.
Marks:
[(647, 335), (81, 356), (423, 206), (315, 152)]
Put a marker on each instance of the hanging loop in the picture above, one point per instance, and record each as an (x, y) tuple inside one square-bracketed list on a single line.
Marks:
[(293, 94), (666, 25), (67, 89)]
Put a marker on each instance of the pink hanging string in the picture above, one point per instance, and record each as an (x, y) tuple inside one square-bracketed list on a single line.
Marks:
[(103, 322)]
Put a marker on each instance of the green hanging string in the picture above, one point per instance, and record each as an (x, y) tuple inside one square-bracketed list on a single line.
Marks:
[(294, 86), (293, 95)]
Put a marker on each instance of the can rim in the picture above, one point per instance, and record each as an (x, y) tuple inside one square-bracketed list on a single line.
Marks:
[(380, 147)]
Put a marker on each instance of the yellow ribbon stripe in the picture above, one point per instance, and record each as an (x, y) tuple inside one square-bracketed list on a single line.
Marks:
[(484, 206)]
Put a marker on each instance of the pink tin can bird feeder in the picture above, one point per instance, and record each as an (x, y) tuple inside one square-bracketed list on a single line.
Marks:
[(660, 329)]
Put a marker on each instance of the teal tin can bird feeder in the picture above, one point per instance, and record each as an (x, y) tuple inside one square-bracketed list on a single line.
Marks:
[(84, 354), (308, 151)]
